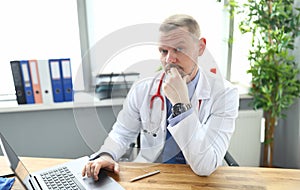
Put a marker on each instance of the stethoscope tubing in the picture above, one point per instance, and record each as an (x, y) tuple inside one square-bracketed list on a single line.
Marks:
[(158, 93), (154, 129)]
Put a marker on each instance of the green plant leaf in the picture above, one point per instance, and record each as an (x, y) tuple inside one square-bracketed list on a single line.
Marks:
[(274, 71)]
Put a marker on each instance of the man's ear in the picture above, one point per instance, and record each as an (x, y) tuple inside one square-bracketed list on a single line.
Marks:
[(202, 45)]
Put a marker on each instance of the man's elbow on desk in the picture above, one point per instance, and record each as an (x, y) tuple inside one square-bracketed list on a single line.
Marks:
[(204, 168), (203, 172)]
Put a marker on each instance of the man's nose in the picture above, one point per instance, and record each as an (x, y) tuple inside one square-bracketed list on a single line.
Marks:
[(171, 57)]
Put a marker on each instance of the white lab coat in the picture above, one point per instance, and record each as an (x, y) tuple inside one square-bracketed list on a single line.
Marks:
[(203, 136)]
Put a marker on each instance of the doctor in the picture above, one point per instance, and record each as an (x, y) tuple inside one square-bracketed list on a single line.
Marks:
[(186, 115)]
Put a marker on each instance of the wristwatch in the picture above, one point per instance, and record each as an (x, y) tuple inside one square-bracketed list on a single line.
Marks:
[(180, 108)]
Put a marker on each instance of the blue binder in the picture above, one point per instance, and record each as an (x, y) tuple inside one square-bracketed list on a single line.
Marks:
[(65, 67), (56, 80), (27, 82)]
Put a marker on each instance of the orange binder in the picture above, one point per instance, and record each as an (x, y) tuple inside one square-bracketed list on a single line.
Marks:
[(35, 78)]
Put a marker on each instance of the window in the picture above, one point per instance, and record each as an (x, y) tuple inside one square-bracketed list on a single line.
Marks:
[(240, 51), (35, 29), (105, 18)]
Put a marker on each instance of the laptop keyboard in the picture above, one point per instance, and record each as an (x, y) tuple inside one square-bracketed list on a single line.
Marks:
[(61, 179)]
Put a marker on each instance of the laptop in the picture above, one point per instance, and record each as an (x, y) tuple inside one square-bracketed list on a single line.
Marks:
[(63, 176)]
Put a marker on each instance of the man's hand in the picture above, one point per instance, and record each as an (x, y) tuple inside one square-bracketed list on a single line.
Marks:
[(175, 87), (92, 168)]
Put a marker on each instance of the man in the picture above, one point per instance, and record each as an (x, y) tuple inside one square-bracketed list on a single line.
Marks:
[(186, 117)]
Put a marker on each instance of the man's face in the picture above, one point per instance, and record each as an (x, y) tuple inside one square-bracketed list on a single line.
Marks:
[(180, 49)]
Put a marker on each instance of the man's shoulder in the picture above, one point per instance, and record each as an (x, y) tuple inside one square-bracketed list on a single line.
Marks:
[(217, 83)]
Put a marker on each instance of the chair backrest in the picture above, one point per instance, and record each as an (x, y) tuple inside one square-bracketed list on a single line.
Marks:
[(230, 160)]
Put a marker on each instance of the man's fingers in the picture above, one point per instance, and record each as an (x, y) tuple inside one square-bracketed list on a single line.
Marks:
[(88, 169), (92, 168), (117, 168), (83, 171), (174, 71), (96, 171)]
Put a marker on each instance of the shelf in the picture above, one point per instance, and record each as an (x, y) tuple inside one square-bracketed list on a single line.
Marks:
[(81, 100)]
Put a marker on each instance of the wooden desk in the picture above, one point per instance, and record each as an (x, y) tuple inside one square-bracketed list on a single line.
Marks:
[(181, 176)]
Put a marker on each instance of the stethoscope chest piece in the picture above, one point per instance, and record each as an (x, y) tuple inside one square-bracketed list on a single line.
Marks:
[(154, 133)]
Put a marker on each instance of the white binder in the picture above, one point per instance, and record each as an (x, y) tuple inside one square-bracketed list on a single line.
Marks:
[(45, 81)]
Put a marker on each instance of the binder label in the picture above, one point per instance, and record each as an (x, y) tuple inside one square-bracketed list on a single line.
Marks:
[(26, 75), (55, 70), (66, 68), (34, 76)]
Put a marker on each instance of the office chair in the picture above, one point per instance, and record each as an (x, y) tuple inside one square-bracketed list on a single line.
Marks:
[(230, 161)]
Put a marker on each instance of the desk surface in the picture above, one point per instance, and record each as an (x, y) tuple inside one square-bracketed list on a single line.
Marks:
[(182, 177)]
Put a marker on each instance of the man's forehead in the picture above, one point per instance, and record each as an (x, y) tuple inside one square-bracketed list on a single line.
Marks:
[(178, 32), (175, 36)]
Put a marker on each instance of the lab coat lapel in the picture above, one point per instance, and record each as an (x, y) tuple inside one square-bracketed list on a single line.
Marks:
[(202, 91)]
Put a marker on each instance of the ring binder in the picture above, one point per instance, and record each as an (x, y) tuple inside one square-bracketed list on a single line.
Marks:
[(27, 82), (18, 81), (35, 79), (56, 80)]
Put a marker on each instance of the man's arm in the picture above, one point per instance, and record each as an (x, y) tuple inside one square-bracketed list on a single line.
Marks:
[(205, 143), (124, 131)]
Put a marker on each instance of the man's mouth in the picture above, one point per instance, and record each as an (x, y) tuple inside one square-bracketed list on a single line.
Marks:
[(178, 67)]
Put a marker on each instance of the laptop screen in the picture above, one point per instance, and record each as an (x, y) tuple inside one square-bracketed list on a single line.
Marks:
[(15, 163)]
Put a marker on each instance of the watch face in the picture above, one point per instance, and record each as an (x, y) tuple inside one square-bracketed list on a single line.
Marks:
[(180, 108)]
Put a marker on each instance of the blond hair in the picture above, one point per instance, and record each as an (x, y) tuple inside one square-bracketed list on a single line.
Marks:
[(182, 21)]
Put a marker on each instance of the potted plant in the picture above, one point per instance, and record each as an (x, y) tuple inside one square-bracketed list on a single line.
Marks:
[(274, 25)]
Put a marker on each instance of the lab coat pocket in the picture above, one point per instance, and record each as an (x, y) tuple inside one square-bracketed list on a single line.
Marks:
[(148, 134), (150, 146)]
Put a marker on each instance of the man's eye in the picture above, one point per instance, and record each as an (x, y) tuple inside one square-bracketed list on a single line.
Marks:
[(163, 51), (179, 49)]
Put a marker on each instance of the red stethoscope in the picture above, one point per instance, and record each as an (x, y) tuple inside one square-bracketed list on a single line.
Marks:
[(154, 123), (158, 94)]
